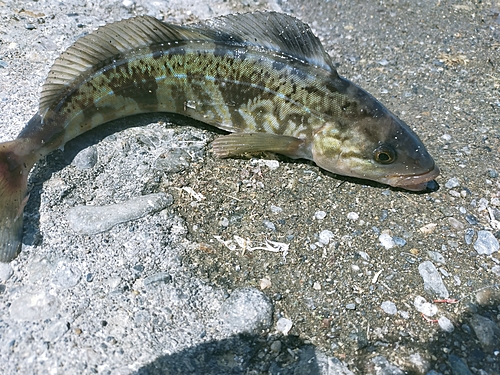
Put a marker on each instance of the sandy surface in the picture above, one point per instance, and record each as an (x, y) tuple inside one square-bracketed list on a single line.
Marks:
[(182, 289)]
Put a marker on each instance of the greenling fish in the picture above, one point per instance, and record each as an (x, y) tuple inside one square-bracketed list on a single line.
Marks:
[(264, 77)]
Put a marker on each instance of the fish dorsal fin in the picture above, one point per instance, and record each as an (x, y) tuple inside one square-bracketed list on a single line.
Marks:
[(272, 31), (111, 41)]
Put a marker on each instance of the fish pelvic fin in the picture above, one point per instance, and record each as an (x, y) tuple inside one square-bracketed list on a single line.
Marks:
[(14, 172), (240, 143)]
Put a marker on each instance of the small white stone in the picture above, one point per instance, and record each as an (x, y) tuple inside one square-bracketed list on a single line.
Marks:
[(284, 325), (389, 307), (319, 215), (265, 283), (325, 236), (425, 307), (386, 241), (353, 216)]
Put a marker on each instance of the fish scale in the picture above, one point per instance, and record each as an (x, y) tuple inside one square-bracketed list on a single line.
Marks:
[(264, 77)]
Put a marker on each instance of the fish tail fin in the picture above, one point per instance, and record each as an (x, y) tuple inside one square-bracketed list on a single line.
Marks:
[(14, 170)]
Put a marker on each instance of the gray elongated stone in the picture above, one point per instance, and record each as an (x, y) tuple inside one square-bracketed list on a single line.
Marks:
[(97, 219), (432, 279)]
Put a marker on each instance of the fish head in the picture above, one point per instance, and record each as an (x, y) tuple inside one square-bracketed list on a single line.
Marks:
[(365, 140)]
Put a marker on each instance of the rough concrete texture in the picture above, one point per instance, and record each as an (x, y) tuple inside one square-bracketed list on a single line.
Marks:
[(265, 239)]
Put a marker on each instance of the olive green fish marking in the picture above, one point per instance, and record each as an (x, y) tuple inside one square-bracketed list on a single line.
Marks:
[(264, 77)]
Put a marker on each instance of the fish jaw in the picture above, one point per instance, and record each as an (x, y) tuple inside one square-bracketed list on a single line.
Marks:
[(414, 182)]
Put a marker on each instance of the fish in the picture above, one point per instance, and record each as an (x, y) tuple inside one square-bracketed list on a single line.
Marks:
[(263, 77)]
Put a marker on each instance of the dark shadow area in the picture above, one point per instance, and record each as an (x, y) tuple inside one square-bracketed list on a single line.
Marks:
[(460, 352), (242, 354), (475, 342)]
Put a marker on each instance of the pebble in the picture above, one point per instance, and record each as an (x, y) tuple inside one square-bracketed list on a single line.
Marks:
[(224, 222), (446, 324), (97, 219), (452, 183), (455, 224), (247, 310), (265, 283), (276, 209), (386, 241), (486, 243), (446, 137), (173, 161), (6, 272), (319, 215), (276, 346), (425, 307), (384, 367), (350, 306), (496, 270), (404, 314), (492, 173), (325, 236), (469, 236), (34, 307), (487, 296), (86, 158), (284, 325), (389, 307), (486, 331), (55, 330), (432, 280), (458, 367), (353, 216), (436, 257), (272, 164), (68, 277), (269, 225), (399, 241), (471, 219), (429, 228), (421, 364), (482, 204)]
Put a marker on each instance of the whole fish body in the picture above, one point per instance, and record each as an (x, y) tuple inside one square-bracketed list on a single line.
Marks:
[(263, 76)]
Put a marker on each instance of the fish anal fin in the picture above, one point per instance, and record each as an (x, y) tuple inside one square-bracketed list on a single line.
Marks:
[(240, 143)]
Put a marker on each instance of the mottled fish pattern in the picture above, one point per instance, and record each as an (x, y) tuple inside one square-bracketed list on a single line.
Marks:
[(263, 76)]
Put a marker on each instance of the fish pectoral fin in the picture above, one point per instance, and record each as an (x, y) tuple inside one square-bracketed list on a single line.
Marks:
[(240, 143)]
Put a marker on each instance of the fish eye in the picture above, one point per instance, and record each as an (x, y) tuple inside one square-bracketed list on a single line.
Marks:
[(384, 154)]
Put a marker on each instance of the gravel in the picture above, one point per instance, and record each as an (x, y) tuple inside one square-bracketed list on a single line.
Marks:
[(261, 265)]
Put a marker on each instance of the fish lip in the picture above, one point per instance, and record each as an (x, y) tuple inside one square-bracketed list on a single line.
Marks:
[(414, 182)]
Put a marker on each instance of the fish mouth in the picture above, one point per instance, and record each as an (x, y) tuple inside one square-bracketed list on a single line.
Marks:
[(417, 182)]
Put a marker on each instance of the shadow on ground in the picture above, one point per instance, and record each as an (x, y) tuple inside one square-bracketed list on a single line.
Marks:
[(471, 348)]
